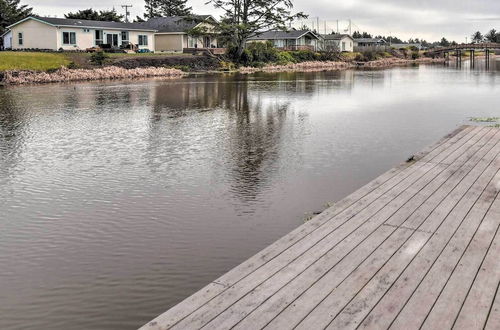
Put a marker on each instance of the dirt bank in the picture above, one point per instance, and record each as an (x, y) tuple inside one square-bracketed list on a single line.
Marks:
[(67, 75)]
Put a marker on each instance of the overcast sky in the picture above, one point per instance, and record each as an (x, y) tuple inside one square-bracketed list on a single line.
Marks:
[(428, 19)]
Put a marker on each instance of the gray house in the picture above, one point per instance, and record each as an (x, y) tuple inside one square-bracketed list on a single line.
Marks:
[(290, 40), (369, 42)]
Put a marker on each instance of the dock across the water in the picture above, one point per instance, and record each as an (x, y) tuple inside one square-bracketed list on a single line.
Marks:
[(418, 247)]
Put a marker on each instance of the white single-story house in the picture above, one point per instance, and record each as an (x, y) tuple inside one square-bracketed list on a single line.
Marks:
[(369, 42), (51, 33), (6, 39), (289, 40), (340, 42), (173, 33)]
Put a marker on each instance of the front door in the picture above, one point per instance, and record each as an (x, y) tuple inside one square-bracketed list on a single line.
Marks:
[(112, 39)]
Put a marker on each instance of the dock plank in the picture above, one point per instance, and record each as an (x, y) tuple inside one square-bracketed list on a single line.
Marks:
[(393, 253)]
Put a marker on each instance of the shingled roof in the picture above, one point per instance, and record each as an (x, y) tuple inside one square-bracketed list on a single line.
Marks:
[(279, 35), (335, 36)]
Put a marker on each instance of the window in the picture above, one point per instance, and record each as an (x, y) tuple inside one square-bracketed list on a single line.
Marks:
[(69, 38), (99, 37), (143, 40), (20, 38), (86, 30), (124, 35)]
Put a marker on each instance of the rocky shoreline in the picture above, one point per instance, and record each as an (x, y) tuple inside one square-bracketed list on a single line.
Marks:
[(70, 75), (118, 72), (325, 66)]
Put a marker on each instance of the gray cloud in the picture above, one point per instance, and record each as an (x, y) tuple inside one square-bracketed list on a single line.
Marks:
[(429, 19)]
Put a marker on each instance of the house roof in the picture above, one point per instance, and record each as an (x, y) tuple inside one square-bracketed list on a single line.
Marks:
[(69, 22), (370, 40), (336, 36), (275, 35), (5, 33), (175, 23)]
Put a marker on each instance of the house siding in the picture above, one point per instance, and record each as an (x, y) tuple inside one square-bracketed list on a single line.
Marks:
[(169, 42), (36, 35)]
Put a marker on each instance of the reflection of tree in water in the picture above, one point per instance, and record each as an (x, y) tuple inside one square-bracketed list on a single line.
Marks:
[(254, 123), (12, 133), (255, 138)]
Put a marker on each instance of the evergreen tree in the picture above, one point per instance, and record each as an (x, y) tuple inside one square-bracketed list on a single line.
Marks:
[(159, 8), (493, 36), (152, 9), (11, 11), (174, 8), (93, 15), (477, 37)]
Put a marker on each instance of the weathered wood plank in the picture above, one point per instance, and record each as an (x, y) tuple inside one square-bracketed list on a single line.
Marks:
[(454, 270), (493, 322), (353, 314), (445, 220), (475, 310)]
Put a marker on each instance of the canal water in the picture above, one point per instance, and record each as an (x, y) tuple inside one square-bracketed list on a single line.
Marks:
[(120, 199)]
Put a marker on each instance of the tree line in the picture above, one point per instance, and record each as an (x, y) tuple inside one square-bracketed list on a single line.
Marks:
[(491, 36)]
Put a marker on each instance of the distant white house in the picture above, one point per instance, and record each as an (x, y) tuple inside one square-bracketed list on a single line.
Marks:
[(51, 33), (340, 42), (7, 39), (289, 40)]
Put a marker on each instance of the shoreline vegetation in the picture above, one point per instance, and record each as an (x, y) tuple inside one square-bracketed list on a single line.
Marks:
[(79, 68)]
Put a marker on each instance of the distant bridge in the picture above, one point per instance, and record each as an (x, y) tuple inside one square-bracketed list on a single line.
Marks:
[(459, 50)]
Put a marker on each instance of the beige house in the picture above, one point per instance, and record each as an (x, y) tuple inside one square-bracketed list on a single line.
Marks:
[(51, 33), (289, 40), (173, 33), (338, 42)]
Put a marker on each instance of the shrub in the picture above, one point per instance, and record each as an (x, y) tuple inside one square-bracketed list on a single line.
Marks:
[(415, 55), (285, 57), (72, 65), (98, 58), (227, 66), (304, 55)]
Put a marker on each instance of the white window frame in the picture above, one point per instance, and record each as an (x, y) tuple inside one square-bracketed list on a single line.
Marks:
[(142, 40), (69, 38), (20, 38)]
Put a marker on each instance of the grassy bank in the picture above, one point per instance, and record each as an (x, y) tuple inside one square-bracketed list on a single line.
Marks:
[(47, 61), (32, 61)]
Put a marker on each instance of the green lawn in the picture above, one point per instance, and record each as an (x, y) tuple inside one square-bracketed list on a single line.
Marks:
[(32, 61), (41, 61)]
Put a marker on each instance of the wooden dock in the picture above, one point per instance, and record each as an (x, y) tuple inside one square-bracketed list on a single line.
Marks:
[(418, 247)]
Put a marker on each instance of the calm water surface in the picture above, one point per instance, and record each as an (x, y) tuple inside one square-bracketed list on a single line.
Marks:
[(120, 199)]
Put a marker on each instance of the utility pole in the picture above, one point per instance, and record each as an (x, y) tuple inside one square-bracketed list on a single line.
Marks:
[(350, 27), (127, 13), (337, 26)]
